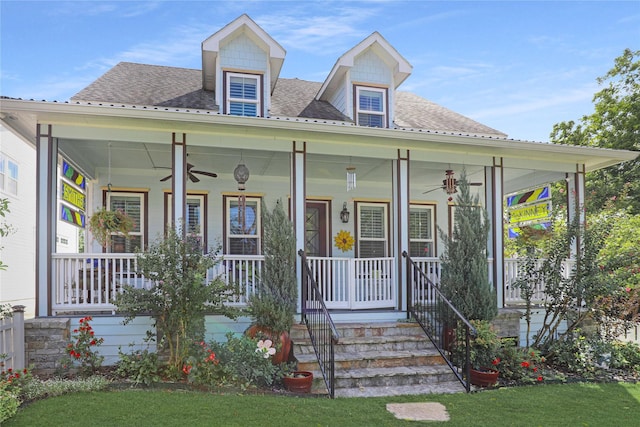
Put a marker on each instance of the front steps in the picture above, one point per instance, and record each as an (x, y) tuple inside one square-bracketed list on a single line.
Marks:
[(379, 359)]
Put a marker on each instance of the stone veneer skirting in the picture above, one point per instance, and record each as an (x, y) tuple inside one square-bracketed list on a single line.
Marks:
[(45, 343)]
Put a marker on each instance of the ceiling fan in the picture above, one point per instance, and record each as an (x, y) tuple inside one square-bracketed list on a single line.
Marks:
[(450, 184), (191, 172)]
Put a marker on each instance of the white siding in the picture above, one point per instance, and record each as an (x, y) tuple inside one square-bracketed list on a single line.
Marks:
[(241, 53), (370, 68), (17, 283)]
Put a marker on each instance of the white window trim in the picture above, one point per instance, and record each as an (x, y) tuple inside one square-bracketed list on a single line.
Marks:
[(227, 225), (229, 99), (382, 113), (141, 226), (203, 210), (385, 238), (6, 175), (432, 240)]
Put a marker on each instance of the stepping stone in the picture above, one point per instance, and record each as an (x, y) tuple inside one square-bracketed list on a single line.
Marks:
[(427, 411)]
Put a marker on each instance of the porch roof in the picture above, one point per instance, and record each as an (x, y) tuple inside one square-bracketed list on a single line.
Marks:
[(150, 124)]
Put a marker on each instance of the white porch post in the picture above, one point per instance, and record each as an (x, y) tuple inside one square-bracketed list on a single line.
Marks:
[(179, 181), (298, 205), (46, 195), (400, 178), (575, 202), (495, 248)]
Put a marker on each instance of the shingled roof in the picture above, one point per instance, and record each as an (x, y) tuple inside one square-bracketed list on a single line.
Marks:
[(144, 84)]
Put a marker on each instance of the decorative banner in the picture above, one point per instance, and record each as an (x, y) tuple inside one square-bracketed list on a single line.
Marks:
[(536, 195), (535, 212), (72, 216), (515, 231), (71, 174), (73, 196)]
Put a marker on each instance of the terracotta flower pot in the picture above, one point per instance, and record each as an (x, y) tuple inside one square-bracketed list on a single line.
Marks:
[(299, 381), (282, 342), (484, 378)]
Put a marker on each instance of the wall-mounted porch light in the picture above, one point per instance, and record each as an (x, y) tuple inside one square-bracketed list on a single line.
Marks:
[(344, 213)]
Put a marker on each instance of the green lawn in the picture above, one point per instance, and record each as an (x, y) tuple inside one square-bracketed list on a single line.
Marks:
[(548, 405)]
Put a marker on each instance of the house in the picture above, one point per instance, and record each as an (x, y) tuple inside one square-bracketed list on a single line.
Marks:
[(353, 152), (17, 250)]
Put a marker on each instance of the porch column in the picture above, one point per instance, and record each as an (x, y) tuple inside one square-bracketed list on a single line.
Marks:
[(401, 193), (298, 205), (179, 181), (495, 247), (46, 195), (575, 202)]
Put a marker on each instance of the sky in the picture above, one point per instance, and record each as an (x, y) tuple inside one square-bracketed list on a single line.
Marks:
[(517, 66)]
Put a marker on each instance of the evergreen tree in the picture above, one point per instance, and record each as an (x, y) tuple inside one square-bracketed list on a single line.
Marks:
[(465, 280)]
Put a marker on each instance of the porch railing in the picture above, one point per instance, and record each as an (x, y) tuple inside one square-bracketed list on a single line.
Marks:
[(513, 294), (322, 330), (446, 328), (355, 283), (89, 282)]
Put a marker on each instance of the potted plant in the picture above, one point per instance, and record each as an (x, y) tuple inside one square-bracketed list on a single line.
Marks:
[(273, 305), (298, 381), (485, 347), (104, 223)]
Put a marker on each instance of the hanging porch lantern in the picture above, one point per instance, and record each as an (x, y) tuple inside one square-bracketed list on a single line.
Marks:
[(241, 175), (450, 183), (351, 178)]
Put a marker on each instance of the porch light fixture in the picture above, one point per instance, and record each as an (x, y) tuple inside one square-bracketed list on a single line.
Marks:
[(351, 177), (344, 213)]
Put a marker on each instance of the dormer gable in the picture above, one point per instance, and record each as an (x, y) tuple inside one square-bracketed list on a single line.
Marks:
[(241, 49), (363, 81)]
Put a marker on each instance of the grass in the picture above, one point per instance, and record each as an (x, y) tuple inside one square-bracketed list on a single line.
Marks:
[(578, 404)]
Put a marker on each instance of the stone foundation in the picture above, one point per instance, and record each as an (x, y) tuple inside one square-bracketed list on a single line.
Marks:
[(507, 323), (45, 343)]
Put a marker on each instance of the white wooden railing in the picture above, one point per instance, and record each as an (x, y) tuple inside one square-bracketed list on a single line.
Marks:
[(355, 283), (12, 340), (513, 294), (89, 282)]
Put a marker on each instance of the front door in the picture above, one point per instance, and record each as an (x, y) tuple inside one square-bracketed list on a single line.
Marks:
[(316, 231)]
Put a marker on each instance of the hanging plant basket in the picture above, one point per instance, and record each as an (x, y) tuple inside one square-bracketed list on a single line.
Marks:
[(104, 223)]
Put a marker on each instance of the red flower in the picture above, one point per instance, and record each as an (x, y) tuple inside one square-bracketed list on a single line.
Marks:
[(535, 369), (540, 378), (525, 364), (93, 342), (495, 361), (186, 369)]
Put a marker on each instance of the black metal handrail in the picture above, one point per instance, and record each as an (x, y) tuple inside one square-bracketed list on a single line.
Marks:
[(445, 326), (321, 328)]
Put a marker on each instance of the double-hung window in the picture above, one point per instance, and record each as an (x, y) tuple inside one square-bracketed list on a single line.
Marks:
[(196, 214), (421, 231), (243, 95), (373, 241), (242, 226), (8, 175), (133, 204), (371, 107)]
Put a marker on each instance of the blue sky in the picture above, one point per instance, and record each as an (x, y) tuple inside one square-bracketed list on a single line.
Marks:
[(517, 66)]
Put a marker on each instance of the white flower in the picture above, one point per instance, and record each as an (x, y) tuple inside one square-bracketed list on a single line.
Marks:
[(264, 347)]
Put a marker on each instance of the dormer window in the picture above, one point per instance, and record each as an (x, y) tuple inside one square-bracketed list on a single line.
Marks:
[(371, 107), (243, 94)]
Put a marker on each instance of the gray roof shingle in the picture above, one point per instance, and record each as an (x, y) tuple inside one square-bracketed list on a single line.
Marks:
[(143, 84)]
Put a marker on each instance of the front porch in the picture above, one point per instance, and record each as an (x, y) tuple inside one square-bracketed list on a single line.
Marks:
[(88, 282)]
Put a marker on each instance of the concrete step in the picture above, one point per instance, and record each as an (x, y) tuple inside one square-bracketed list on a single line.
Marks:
[(379, 359)]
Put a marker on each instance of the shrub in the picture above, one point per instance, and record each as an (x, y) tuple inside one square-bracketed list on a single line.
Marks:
[(9, 401), (139, 366), (180, 294), (82, 349), (243, 362), (520, 365)]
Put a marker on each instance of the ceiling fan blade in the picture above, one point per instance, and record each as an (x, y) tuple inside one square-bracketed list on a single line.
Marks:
[(434, 189), (166, 178), (211, 174), (476, 183), (193, 178)]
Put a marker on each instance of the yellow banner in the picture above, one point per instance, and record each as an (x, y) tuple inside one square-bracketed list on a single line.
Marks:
[(529, 213), (73, 196)]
